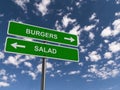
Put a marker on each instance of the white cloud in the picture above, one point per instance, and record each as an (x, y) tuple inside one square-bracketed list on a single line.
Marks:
[(12, 60), (106, 32), (83, 49), (89, 28), (66, 21), (12, 77), (117, 14), (28, 64), (112, 32), (75, 30), (91, 35), (93, 16), (2, 55), (68, 8), (116, 25), (94, 56), (29, 57), (22, 72), (17, 60), (117, 56), (87, 76), (80, 64), (114, 47), (114, 72), (108, 55), (4, 78), (74, 72), (117, 1), (103, 72), (67, 63), (111, 62), (32, 74), (39, 68), (2, 72), (22, 3), (100, 46), (4, 84), (42, 7), (106, 41), (78, 4), (89, 80), (1, 15), (92, 69), (59, 71), (86, 58), (58, 26), (48, 66), (52, 75)]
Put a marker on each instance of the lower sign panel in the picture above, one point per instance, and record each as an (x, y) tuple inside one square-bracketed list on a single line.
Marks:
[(41, 49)]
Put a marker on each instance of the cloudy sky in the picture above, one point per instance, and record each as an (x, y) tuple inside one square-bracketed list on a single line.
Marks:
[(96, 22)]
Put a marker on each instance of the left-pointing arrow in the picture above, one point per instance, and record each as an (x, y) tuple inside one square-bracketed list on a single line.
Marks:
[(15, 45)]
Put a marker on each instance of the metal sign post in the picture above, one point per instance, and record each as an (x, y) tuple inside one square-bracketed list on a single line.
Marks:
[(43, 74)]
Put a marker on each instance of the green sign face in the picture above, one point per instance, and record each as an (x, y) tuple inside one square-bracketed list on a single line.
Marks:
[(42, 33), (40, 49)]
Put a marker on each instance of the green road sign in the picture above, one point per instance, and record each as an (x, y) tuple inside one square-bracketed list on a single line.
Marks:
[(36, 32), (41, 49)]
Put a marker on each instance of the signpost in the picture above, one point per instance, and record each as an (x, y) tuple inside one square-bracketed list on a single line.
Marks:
[(40, 33), (41, 49)]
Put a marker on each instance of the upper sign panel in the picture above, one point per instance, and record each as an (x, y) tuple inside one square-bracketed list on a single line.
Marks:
[(36, 32)]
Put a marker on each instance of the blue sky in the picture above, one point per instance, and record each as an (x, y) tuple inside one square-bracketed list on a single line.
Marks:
[(96, 22)]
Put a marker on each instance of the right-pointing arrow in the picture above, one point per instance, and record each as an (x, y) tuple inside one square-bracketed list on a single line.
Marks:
[(70, 39), (15, 45)]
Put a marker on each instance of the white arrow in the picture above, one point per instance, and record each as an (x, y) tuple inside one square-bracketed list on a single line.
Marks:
[(15, 45), (70, 39)]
